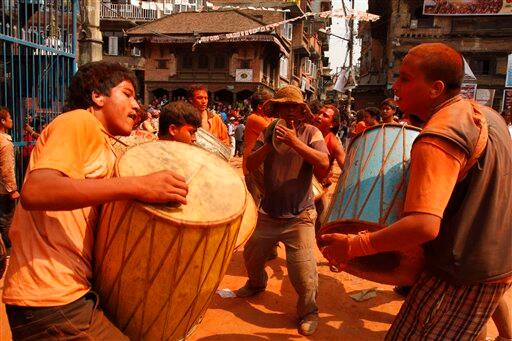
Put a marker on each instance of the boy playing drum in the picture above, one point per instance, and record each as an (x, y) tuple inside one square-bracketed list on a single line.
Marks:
[(47, 289)]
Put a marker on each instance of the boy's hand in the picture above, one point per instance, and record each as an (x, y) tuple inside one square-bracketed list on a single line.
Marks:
[(162, 187)]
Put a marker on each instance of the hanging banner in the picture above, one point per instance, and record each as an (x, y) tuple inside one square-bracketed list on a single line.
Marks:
[(467, 7), (485, 96), (243, 75), (468, 90), (508, 79), (506, 105)]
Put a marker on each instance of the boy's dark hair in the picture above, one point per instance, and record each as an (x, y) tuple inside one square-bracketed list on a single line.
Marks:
[(336, 119), (99, 77), (4, 112), (194, 88), (374, 112), (259, 97), (178, 113)]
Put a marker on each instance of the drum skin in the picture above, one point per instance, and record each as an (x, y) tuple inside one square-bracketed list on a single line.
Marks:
[(370, 195), (249, 220), (157, 267), (212, 144)]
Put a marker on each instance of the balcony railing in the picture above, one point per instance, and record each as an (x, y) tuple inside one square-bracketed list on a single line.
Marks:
[(127, 12)]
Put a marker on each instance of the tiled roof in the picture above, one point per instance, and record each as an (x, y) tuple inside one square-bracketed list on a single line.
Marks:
[(200, 22)]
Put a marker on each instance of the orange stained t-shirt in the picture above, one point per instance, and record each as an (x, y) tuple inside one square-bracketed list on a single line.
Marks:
[(51, 258), (218, 129), (436, 164), (253, 128), (435, 167)]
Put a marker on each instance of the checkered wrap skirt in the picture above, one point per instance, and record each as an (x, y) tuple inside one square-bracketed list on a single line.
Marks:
[(438, 310)]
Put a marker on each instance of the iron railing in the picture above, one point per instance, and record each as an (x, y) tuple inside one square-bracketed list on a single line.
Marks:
[(37, 61)]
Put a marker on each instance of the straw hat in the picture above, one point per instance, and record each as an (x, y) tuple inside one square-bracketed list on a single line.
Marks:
[(289, 94)]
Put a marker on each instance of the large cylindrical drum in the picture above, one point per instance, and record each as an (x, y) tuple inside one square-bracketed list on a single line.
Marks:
[(157, 266), (212, 144), (370, 195)]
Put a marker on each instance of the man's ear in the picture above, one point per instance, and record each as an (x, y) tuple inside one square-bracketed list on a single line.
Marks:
[(437, 89), (98, 99), (172, 130)]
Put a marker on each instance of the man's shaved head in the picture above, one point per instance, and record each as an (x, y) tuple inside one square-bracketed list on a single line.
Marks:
[(439, 61)]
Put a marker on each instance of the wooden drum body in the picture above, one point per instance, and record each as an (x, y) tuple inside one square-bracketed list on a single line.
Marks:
[(212, 144), (157, 267), (370, 196)]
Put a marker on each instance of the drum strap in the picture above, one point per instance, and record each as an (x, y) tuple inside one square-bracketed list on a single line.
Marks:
[(481, 143)]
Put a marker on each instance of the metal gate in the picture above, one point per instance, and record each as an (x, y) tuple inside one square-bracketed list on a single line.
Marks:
[(37, 61)]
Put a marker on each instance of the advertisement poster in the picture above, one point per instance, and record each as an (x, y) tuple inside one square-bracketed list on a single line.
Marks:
[(485, 96), (506, 106), (468, 90), (467, 7), (508, 79)]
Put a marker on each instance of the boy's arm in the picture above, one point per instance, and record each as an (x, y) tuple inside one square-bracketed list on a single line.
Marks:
[(51, 190)]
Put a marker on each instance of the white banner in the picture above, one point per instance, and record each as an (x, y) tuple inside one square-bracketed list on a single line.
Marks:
[(243, 75), (485, 96)]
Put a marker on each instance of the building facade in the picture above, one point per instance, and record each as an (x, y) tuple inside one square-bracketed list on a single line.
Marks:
[(484, 40)]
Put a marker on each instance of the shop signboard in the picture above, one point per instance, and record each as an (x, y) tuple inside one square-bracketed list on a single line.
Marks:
[(467, 7)]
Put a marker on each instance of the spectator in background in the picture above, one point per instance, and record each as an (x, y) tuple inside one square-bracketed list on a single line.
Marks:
[(231, 133), (359, 124), (198, 97), (239, 139), (389, 110), (371, 116), (8, 188)]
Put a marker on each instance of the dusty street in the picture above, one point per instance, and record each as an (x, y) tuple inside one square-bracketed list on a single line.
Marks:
[(271, 314)]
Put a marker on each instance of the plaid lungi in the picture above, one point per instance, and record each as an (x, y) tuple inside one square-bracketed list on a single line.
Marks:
[(438, 310)]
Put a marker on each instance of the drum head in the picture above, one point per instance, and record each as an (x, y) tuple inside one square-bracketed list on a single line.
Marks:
[(216, 193), (280, 147), (249, 220)]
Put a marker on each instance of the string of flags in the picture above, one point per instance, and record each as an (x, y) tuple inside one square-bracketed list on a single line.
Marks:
[(209, 5), (338, 13)]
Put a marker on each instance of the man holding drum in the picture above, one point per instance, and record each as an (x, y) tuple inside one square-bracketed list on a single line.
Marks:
[(287, 213), (198, 97), (179, 122), (457, 205), (47, 289)]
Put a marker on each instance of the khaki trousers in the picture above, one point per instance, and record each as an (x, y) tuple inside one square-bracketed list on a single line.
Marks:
[(298, 236)]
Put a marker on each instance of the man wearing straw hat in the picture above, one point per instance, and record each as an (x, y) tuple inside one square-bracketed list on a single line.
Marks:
[(287, 212)]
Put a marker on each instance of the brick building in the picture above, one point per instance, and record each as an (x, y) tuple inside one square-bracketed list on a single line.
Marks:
[(484, 40)]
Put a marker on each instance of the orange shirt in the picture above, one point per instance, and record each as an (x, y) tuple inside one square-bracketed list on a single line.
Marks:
[(435, 167), (218, 129), (255, 125), (360, 127), (436, 164), (51, 258)]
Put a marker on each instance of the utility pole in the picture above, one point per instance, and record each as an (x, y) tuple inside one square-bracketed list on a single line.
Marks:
[(350, 59), (90, 39)]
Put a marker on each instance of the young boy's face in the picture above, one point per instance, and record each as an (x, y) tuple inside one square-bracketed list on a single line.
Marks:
[(185, 134), (120, 109)]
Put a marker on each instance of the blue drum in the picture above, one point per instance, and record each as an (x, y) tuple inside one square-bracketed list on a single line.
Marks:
[(369, 196)]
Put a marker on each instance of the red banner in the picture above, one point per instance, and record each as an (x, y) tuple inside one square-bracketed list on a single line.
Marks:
[(467, 7)]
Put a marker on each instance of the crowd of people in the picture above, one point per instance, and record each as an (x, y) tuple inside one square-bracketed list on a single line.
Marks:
[(457, 204)]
